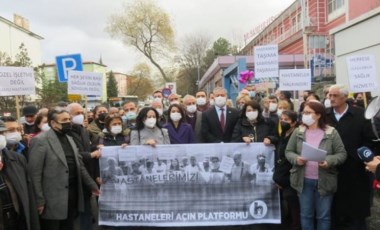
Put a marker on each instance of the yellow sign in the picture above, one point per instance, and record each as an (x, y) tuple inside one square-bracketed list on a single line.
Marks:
[(74, 97)]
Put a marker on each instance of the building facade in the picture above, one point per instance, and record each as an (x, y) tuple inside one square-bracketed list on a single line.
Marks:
[(13, 34), (306, 29)]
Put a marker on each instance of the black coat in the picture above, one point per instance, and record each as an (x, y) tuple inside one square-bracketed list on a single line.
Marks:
[(262, 129), (211, 129), (81, 138), (15, 168), (352, 198)]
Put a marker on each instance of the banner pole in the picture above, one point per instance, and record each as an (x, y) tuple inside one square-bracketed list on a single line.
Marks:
[(86, 105), (17, 108)]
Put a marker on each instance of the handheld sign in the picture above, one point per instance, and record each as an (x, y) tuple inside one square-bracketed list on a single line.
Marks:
[(16, 81), (295, 79), (85, 83), (362, 73), (266, 61)]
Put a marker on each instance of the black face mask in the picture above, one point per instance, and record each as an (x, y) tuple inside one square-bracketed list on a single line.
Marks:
[(90, 120), (66, 127), (102, 117), (285, 126)]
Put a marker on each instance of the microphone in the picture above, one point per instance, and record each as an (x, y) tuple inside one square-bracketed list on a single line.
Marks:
[(365, 154)]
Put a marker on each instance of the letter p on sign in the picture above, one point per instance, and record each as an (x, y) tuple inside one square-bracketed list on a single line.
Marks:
[(67, 63)]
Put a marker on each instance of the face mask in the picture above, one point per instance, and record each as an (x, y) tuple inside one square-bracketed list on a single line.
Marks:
[(327, 103), (174, 102), (30, 124), (45, 127), (3, 142), (252, 93), (116, 129), (191, 108), (157, 99), (285, 126), (124, 118), (150, 122), (308, 119), (212, 102), (78, 119), (220, 101), (272, 107), (102, 117), (13, 138), (159, 111), (66, 127), (175, 116), (252, 115), (201, 101), (131, 115), (279, 112)]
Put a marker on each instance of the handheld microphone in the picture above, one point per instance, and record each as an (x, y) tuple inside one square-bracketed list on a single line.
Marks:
[(365, 154)]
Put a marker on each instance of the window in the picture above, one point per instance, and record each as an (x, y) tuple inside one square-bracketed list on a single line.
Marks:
[(334, 5)]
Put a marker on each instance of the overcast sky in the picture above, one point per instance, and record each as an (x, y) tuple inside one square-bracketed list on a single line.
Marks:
[(78, 26)]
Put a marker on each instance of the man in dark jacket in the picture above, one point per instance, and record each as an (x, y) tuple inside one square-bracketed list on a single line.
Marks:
[(352, 200), (219, 121), (17, 207), (57, 174), (90, 156)]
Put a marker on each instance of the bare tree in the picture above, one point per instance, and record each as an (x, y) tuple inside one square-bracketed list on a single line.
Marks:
[(147, 27)]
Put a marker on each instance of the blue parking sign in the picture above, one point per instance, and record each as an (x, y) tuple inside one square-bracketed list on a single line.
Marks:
[(66, 63)]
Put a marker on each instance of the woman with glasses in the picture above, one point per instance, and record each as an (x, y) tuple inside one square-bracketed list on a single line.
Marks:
[(315, 182)]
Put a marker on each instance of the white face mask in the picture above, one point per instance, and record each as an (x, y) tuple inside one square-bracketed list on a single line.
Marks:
[(175, 116), (131, 115), (150, 122), (13, 138), (45, 127), (201, 101), (116, 129), (327, 103), (279, 112), (3, 142), (191, 108), (159, 111), (28, 123), (220, 101), (78, 119), (272, 107), (252, 115), (157, 99), (308, 119)]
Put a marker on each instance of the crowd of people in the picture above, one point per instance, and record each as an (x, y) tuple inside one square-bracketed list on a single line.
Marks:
[(49, 164)]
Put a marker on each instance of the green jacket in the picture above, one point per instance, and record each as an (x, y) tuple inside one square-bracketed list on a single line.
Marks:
[(336, 155)]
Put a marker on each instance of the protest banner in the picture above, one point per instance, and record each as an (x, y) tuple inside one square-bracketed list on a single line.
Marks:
[(141, 188), (362, 73), (85, 83), (17, 81), (295, 79), (266, 61)]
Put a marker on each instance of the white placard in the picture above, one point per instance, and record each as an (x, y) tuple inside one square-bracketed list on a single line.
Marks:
[(17, 81), (85, 83), (311, 153), (172, 86), (295, 79), (362, 73), (266, 61)]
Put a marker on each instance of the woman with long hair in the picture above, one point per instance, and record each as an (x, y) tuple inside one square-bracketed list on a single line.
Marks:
[(315, 182), (180, 132), (148, 130)]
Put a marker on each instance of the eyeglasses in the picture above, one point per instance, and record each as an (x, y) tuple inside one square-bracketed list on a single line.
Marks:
[(307, 112)]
